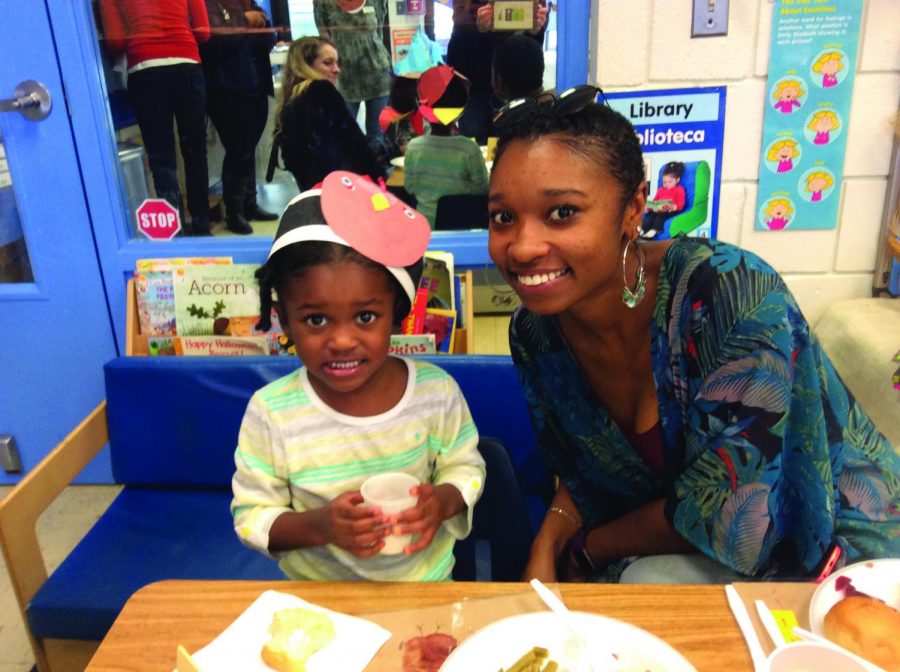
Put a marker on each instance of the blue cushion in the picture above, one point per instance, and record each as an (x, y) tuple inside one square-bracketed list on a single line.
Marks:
[(146, 535), (193, 407)]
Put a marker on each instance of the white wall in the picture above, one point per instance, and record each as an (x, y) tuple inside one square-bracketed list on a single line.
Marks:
[(646, 44)]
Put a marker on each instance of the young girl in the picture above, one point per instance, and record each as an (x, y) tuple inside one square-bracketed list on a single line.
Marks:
[(669, 199), (344, 266)]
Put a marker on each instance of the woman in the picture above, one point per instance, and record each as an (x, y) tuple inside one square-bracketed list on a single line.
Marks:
[(237, 91), (358, 29), (313, 127), (686, 407)]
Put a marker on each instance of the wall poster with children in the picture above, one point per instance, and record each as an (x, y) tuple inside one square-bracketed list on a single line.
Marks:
[(681, 132), (812, 60)]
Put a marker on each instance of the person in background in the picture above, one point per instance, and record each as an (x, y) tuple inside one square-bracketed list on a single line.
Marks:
[(401, 120), (442, 163), (166, 88), (667, 202), (237, 101), (358, 29), (471, 51), (314, 130), (343, 284), (517, 70), (699, 431)]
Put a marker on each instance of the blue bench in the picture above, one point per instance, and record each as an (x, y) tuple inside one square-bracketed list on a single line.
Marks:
[(172, 425)]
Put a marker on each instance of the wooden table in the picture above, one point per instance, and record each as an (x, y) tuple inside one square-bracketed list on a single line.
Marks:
[(693, 619)]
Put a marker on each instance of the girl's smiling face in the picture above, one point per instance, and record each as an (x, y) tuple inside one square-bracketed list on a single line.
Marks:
[(816, 184), (327, 63), (779, 211), (789, 93), (340, 317), (558, 226), (785, 153), (831, 66), (823, 124)]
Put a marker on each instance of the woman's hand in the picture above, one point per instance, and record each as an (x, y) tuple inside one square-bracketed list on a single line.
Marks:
[(360, 530), (540, 18), (255, 18), (541, 565), (484, 17), (434, 506)]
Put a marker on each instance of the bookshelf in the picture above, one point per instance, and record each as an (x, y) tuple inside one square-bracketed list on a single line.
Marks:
[(137, 344)]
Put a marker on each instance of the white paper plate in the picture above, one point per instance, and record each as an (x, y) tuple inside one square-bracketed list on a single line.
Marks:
[(500, 644), (878, 578), (397, 162)]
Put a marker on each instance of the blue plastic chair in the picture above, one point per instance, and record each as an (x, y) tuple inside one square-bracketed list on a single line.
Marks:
[(498, 546)]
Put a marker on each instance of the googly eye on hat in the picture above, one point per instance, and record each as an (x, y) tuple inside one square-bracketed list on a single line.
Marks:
[(443, 93), (351, 210)]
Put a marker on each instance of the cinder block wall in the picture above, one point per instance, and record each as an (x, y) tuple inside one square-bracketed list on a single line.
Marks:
[(646, 44)]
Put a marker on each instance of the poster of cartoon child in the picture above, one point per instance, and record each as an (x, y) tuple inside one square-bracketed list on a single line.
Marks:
[(789, 94), (822, 127), (816, 184), (782, 155), (777, 213), (827, 67), (813, 53)]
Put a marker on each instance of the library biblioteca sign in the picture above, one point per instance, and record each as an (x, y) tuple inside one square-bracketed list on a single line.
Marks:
[(685, 126)]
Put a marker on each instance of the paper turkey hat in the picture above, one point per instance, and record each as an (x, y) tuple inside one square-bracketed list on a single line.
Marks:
[(443, 93), (353, 211)]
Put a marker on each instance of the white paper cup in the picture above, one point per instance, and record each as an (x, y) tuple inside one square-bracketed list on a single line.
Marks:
[(390, 493), (812, 657)]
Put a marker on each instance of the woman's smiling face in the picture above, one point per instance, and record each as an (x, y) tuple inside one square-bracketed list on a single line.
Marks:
[(557, 225)]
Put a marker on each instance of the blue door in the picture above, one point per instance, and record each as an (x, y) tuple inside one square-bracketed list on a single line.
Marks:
[(55, 329)]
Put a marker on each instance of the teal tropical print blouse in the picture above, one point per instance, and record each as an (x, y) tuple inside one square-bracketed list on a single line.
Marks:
[(769, 458)]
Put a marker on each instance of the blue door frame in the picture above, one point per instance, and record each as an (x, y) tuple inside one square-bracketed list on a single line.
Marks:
[(81, 65)]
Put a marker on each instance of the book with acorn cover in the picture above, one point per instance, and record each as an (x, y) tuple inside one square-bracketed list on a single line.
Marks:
[(216, 300)]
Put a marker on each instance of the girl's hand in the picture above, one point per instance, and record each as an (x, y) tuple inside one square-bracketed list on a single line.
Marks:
[(357, 529), (540, 18), (435, 505)]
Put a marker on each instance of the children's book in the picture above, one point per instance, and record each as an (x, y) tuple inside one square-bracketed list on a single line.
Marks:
[(158, 346), (437, 278), (657, 206), (413, 344), (167, 264), (155, 302), (222, 345), (414, 322), (216, 300), (442, 324)]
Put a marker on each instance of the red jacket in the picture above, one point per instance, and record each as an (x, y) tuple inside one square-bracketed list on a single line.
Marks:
[(159, 29)]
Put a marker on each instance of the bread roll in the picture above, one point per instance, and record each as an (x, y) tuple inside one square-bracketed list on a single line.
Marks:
[(296, 635), (867, 627)]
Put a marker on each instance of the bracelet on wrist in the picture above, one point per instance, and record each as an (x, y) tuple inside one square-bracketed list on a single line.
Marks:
[(565, 514)]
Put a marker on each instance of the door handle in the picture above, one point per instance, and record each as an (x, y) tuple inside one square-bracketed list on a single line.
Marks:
[(32, 101)]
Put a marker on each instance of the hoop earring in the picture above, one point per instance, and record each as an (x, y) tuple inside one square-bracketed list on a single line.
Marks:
[(632, 297)]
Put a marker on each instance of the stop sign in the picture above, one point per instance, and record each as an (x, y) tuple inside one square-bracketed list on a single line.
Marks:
[(157, 219)]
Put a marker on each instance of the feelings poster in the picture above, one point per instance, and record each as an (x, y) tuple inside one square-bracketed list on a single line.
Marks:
[(812, 62)]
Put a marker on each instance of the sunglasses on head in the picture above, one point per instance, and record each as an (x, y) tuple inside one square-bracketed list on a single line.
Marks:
[(570, 101)]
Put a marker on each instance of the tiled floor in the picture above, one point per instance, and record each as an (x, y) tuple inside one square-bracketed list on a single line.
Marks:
[(59, 529)]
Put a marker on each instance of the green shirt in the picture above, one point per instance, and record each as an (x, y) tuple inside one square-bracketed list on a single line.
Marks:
[(436, 166), (365, 61)]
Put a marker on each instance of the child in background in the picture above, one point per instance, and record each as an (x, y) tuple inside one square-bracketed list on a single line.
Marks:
[(667, 202), (443, 163), (401, 120), (343, 267)]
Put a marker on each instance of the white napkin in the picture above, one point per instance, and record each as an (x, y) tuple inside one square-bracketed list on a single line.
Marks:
[(355, 643)]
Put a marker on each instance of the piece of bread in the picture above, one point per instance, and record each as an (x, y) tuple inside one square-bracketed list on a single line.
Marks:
[(867, 627), (296, 635)]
